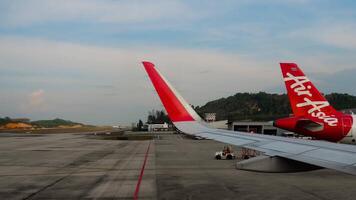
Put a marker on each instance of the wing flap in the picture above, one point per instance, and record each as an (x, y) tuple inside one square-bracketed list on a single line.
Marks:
[(332, 156), (288, 147)]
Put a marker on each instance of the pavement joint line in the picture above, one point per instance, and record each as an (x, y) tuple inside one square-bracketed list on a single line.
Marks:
[(137, 190), (45, 187), (74, 170)]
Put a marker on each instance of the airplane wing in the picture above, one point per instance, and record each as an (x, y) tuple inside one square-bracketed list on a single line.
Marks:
[(340, 157)]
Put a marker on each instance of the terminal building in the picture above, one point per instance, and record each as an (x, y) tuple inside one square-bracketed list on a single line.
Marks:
[(158, 127), (265, 128)]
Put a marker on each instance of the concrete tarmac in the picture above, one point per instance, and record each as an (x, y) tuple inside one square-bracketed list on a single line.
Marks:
[(71, 166), (74, 166)]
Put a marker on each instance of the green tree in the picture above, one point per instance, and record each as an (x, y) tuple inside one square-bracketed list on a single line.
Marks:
[(139, 125), (5, 120), (157, 117), (263, 106)]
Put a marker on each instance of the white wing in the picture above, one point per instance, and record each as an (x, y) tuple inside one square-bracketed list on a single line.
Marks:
[(335, 156)]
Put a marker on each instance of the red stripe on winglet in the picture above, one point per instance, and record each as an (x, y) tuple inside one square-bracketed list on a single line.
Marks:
[(174, 107)]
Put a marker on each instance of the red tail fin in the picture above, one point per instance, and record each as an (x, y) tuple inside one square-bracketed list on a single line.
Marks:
[(304, 97)]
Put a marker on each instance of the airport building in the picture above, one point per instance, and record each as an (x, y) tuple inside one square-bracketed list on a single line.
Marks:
[(158, 127), (223, 124), (210, 117), (265, 128)]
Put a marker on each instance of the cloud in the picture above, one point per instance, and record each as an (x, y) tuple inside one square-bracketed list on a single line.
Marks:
[(342, 81), (34, 103), (87, 54), (17, 13), (36, 99), (340, 35), (96, 84), (70, 71), (25, 13)]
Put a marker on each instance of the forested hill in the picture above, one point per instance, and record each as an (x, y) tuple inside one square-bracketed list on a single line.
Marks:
[(41, 123), (55, 123), (263, 106)]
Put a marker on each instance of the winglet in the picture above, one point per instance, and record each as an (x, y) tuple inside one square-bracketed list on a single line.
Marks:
[(147, 64), (177, 108)]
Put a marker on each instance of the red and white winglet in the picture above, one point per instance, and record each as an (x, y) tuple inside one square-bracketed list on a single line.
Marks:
[(179, 111), (177, 108)]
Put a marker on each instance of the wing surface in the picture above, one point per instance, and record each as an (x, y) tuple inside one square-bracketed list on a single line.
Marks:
[(340, 157)]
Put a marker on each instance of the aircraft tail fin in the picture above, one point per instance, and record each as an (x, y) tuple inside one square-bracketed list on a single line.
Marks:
[(304, 97)]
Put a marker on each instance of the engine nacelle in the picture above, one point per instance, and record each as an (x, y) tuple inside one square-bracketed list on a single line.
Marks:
[(289, 123)]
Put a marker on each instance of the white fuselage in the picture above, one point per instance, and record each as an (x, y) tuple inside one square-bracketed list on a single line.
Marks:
[(350, 138)]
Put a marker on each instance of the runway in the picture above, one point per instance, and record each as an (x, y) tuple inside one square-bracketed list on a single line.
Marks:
[(75, 166), (71, 166)]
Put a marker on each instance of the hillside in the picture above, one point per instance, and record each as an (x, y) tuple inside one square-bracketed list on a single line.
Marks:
[(4, 121), (9, 123), (263, 106), (55, 123)]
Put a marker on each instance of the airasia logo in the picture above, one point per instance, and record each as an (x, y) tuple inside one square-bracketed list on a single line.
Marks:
[(301, 90)]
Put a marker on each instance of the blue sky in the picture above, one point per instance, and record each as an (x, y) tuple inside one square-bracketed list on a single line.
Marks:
[(80, 59)]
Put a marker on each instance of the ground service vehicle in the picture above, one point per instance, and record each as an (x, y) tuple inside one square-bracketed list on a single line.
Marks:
[(226, 154)]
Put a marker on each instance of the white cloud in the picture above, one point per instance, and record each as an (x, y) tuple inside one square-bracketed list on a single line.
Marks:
[(25, 13), (34, 103), (341, 35), (36, 99), (200, 75), (18, 13), (224, 73)]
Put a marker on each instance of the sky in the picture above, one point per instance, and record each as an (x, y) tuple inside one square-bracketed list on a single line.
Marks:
[(81, 59)]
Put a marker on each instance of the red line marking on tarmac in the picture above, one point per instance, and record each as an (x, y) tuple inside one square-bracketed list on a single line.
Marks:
[(141, 174)]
